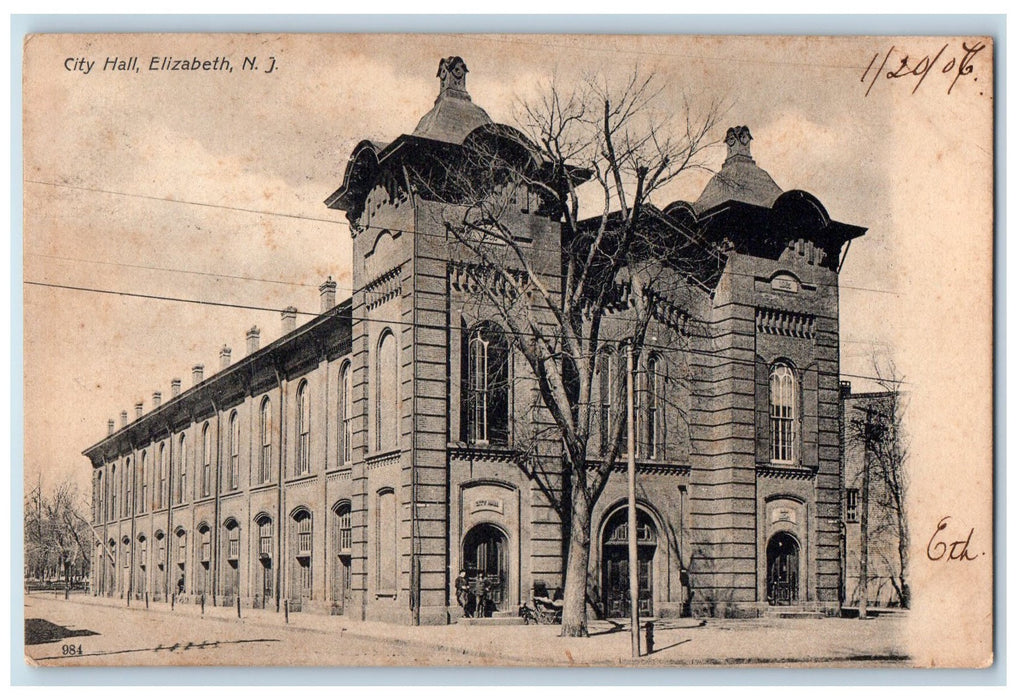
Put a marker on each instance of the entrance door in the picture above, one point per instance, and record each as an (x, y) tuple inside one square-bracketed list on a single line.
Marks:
[(615, 563), (782, 570), (485, 552)]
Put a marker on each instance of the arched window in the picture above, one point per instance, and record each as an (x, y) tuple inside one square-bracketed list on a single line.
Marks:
[(206, 460), (125, 508), (486, 381), (303, 429), (161, 477), (113, 492), (182, 480), (302, 578), (160, 549), (386, 411), (344, 528), (605, 375), (265, 432), (654, 407), (181, 548), (143, 481), (232, 540), (265, 578), (97, 513), (206, 542), (234, 475), (783, 414), (385, 541), (345, 415)]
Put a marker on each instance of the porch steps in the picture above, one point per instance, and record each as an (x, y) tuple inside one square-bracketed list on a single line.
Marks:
[(792, 612), (498, 618)]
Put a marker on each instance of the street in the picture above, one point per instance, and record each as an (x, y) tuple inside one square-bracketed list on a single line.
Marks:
[(104, 632)]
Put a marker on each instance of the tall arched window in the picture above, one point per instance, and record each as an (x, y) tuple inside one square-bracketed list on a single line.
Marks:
[(783, 413), (182, 479), (143, 481), (97, 514), (265, 580), (265, 433), (654, 406), (345, 415), (302, 573), (206, 460), (113, 492), (605, 375), (486, 381), (303, 429), (386, 411), (161, 477), (234, 475), (125, 508)]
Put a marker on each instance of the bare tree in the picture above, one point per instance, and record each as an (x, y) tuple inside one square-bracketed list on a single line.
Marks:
[(591, 160), (881, 432), (57, 535)]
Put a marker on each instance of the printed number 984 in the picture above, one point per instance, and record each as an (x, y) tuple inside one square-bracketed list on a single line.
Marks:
[(71, 650)]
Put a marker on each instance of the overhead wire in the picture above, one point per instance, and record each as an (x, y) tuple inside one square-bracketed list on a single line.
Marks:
[(391, 322)]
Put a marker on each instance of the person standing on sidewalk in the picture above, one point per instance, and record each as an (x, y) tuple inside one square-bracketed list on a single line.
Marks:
[(463, 593)]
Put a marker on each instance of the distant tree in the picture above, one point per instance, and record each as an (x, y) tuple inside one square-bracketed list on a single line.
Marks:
[(57, 535), (880, 430), (592, 158)]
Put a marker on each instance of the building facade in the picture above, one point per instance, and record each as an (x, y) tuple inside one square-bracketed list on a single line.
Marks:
[(358, 463), (886, 492)]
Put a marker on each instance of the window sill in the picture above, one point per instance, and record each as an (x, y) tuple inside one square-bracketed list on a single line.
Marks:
[(391, 595)]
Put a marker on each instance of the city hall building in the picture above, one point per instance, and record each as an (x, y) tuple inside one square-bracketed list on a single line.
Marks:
[(358, 463)]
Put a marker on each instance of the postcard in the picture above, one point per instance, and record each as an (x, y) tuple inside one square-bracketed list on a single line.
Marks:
[(508, 350)]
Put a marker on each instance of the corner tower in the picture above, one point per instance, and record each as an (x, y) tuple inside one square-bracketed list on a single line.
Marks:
[(434, 495)]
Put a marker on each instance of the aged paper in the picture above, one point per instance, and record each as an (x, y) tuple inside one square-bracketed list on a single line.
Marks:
[(228, 463)]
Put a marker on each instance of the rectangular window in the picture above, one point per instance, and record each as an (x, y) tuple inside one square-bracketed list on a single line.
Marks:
[(234, 544), (851, 503)]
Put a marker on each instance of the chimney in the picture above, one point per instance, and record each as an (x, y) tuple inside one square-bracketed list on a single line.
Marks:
[(156, 399), (253, 340), (111, 426), (197, 374), (327, 290), (139, 409), (123, 419), (175, 387), (289, 319), (224, 357)]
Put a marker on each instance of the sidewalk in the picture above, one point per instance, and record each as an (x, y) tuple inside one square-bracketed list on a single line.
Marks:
[(760, 641)]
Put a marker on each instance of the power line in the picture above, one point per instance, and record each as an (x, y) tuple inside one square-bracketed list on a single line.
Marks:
[(547, 249), (262, 212), (171, 269), (392, 322)]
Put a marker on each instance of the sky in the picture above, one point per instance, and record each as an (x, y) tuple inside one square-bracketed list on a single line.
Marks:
[(210, 186)]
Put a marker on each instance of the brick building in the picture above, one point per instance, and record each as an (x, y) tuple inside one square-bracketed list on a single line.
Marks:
[(884, 562), (359, 462)]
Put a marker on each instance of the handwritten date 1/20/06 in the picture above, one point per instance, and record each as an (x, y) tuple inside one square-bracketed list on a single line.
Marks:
[(951, 63), (942, 546)]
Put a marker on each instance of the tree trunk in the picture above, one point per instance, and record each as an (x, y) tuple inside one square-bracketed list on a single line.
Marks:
[(573, 619)]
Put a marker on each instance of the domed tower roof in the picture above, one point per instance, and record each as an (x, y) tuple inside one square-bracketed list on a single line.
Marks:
[(739, 179), (454, 116)]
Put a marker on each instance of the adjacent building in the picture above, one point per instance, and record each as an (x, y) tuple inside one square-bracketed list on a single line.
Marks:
[(355, 465)]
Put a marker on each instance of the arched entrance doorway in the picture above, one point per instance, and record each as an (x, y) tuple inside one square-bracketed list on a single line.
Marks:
[(782, 569), (615, 563), (485, 552)]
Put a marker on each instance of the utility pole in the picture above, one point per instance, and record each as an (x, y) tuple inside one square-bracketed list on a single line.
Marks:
[(633, 552), (863, 570)]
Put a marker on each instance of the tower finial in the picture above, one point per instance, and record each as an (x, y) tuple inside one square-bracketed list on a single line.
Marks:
[(737, 139), (452, 72)]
